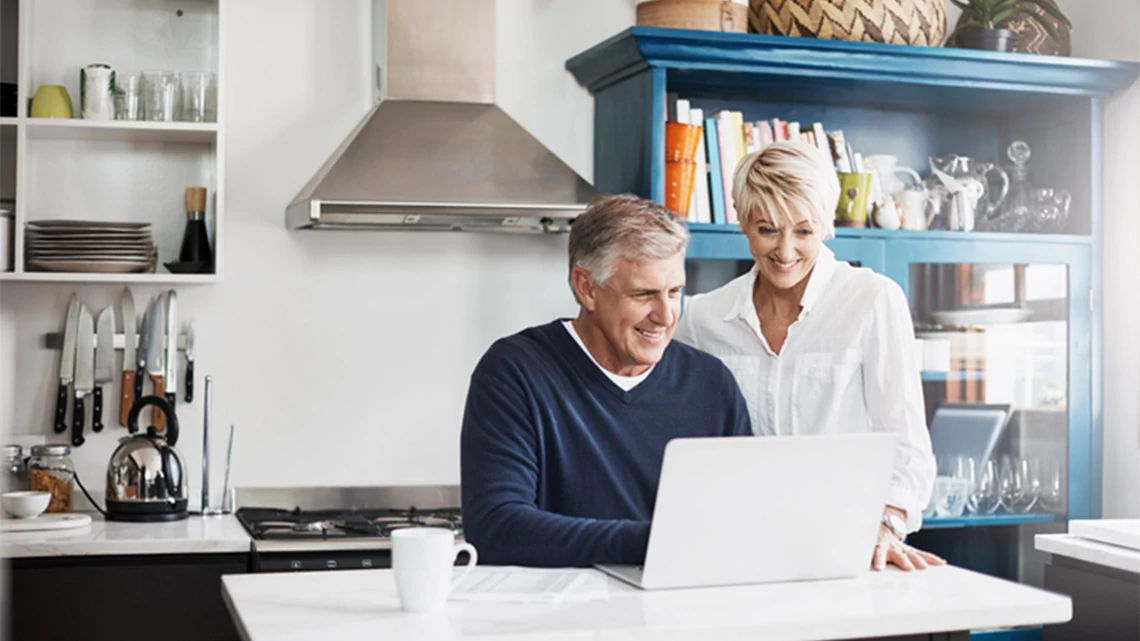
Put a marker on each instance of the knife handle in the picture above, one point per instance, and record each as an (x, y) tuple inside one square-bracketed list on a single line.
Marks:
[(138, 385), (189, 380), (157, 418), (77, 420), (97, 409), (171, 397), (61, 410), (128, 398)]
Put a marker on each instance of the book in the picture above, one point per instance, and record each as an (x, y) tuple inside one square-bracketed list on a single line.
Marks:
[(716, 181)]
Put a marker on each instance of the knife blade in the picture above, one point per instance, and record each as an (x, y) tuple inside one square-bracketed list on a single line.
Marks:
[(132, 367), (104, 363), (66, 364), (84, 372), (189, 362), (155, 348), (171, 382)]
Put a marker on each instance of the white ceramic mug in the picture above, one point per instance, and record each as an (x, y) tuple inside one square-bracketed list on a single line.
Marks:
[(423, 560)]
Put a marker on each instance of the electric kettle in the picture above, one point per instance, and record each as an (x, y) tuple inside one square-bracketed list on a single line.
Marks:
[(146, 478)]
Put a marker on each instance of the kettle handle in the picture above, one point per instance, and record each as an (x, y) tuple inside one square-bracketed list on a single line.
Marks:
[(163, 406), (172, 489)]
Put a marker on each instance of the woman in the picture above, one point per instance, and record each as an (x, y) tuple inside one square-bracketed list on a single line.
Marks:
[(818, 346)]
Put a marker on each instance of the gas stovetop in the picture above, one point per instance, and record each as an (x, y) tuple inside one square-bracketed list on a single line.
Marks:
[(343, 518), (270, 524)]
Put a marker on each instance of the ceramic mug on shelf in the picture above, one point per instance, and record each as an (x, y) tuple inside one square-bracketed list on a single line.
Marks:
[(854, 191), (422, 562), (51, 101)]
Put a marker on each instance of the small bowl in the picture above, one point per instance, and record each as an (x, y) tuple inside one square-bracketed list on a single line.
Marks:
[(196, 267), (25, 505)]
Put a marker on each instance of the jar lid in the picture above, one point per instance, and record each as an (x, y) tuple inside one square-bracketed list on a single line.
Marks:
[(51, 449), (13, 451)]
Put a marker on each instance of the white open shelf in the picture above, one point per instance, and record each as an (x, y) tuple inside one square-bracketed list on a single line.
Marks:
[(112, 170), (158, 278), (125, 130)]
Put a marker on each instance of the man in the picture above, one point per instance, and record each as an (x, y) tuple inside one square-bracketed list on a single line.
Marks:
[(566, 423)]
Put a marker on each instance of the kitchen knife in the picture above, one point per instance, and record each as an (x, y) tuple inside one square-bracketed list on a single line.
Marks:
[(84, 372), (189, 362), (66, 364), (132, 379), (155, 348), (104, 363), (171, 382)]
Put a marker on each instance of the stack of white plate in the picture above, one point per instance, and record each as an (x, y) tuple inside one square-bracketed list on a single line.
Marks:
[(89, 246)]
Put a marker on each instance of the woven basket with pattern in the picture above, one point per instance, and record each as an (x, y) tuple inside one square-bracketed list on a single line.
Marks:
[(904, 22)]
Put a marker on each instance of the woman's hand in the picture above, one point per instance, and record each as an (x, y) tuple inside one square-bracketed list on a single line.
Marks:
[(889, 549)]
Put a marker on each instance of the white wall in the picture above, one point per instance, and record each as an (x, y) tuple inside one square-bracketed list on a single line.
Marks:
[(1111, 29), (341, 357)]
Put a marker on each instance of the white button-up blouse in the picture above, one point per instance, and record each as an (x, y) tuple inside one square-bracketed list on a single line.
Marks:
[(847, 365)]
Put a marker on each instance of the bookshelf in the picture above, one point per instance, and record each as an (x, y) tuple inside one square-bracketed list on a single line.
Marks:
[(913, 103)]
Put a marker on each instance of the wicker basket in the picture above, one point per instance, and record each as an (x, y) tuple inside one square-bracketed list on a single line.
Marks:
[(707, 15), (904, 22)]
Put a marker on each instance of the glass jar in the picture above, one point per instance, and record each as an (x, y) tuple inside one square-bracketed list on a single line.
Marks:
[(15, 472), (50, 469)]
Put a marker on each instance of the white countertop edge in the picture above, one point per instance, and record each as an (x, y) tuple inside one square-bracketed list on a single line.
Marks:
[(1075, 547), (194, 535), (361, 604)]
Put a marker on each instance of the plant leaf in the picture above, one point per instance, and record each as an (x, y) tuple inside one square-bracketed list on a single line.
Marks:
[(1006, 13)]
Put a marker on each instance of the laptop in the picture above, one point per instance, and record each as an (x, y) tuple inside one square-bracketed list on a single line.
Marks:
[(769, 509)]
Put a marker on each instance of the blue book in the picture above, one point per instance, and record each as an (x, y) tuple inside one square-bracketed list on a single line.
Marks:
[(716, 185)]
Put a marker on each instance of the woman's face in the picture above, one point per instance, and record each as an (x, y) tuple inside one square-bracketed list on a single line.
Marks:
[(785, 253)]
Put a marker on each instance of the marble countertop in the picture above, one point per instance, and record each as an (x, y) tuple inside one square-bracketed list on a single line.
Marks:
[(362, 604), (197, 534), (1075, 547)]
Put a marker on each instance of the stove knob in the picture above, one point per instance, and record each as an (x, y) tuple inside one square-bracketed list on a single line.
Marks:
[(295, 565), (330, 564)]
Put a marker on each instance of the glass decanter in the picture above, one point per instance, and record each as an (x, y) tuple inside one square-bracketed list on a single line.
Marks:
[(1019, 207)]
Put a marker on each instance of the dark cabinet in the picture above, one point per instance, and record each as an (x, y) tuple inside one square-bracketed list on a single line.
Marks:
[(176, 597)]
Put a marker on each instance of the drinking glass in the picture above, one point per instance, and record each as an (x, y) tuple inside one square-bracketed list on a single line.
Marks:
[(198, 96), (1051, 493), (159, 93), (985, 496), (1019, 482), (128, 103)]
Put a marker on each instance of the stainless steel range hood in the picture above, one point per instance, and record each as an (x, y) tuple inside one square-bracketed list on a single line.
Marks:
[(437, 153)]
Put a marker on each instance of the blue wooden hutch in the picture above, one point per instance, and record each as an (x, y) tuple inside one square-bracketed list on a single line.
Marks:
[(911, 102)]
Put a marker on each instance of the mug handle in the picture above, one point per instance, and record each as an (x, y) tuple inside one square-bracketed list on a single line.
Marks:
[(470, 549)]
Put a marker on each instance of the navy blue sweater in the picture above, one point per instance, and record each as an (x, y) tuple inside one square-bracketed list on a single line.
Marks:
[(560, 465)]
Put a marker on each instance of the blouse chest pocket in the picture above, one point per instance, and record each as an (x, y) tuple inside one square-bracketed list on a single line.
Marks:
[(820, 381)]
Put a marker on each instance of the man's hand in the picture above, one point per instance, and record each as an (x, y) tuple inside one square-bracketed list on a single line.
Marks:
[(890, 549)]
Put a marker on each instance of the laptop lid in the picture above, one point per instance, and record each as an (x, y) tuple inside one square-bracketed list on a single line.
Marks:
[(768, 509)]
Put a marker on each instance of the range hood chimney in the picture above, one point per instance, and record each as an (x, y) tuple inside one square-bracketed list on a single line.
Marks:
[(437, 153)]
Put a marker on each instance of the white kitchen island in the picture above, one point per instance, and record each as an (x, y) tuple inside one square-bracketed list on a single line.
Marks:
[(1098, 564), (942, 603)]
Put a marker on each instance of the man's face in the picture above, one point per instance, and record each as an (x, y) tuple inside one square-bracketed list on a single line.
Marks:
[(636, 312)]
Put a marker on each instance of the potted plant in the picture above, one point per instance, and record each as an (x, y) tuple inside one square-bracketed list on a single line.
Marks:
[(978, 28)]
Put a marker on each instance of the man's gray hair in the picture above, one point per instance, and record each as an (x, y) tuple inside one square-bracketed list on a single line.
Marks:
[(623, 226)]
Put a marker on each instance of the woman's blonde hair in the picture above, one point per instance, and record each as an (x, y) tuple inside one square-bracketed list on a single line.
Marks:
[(785, 179)]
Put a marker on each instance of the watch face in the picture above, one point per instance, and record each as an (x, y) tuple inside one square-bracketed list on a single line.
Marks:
[(897, 524)]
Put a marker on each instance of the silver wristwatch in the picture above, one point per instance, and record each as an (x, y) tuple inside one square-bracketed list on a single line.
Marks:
[(896, 524)]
